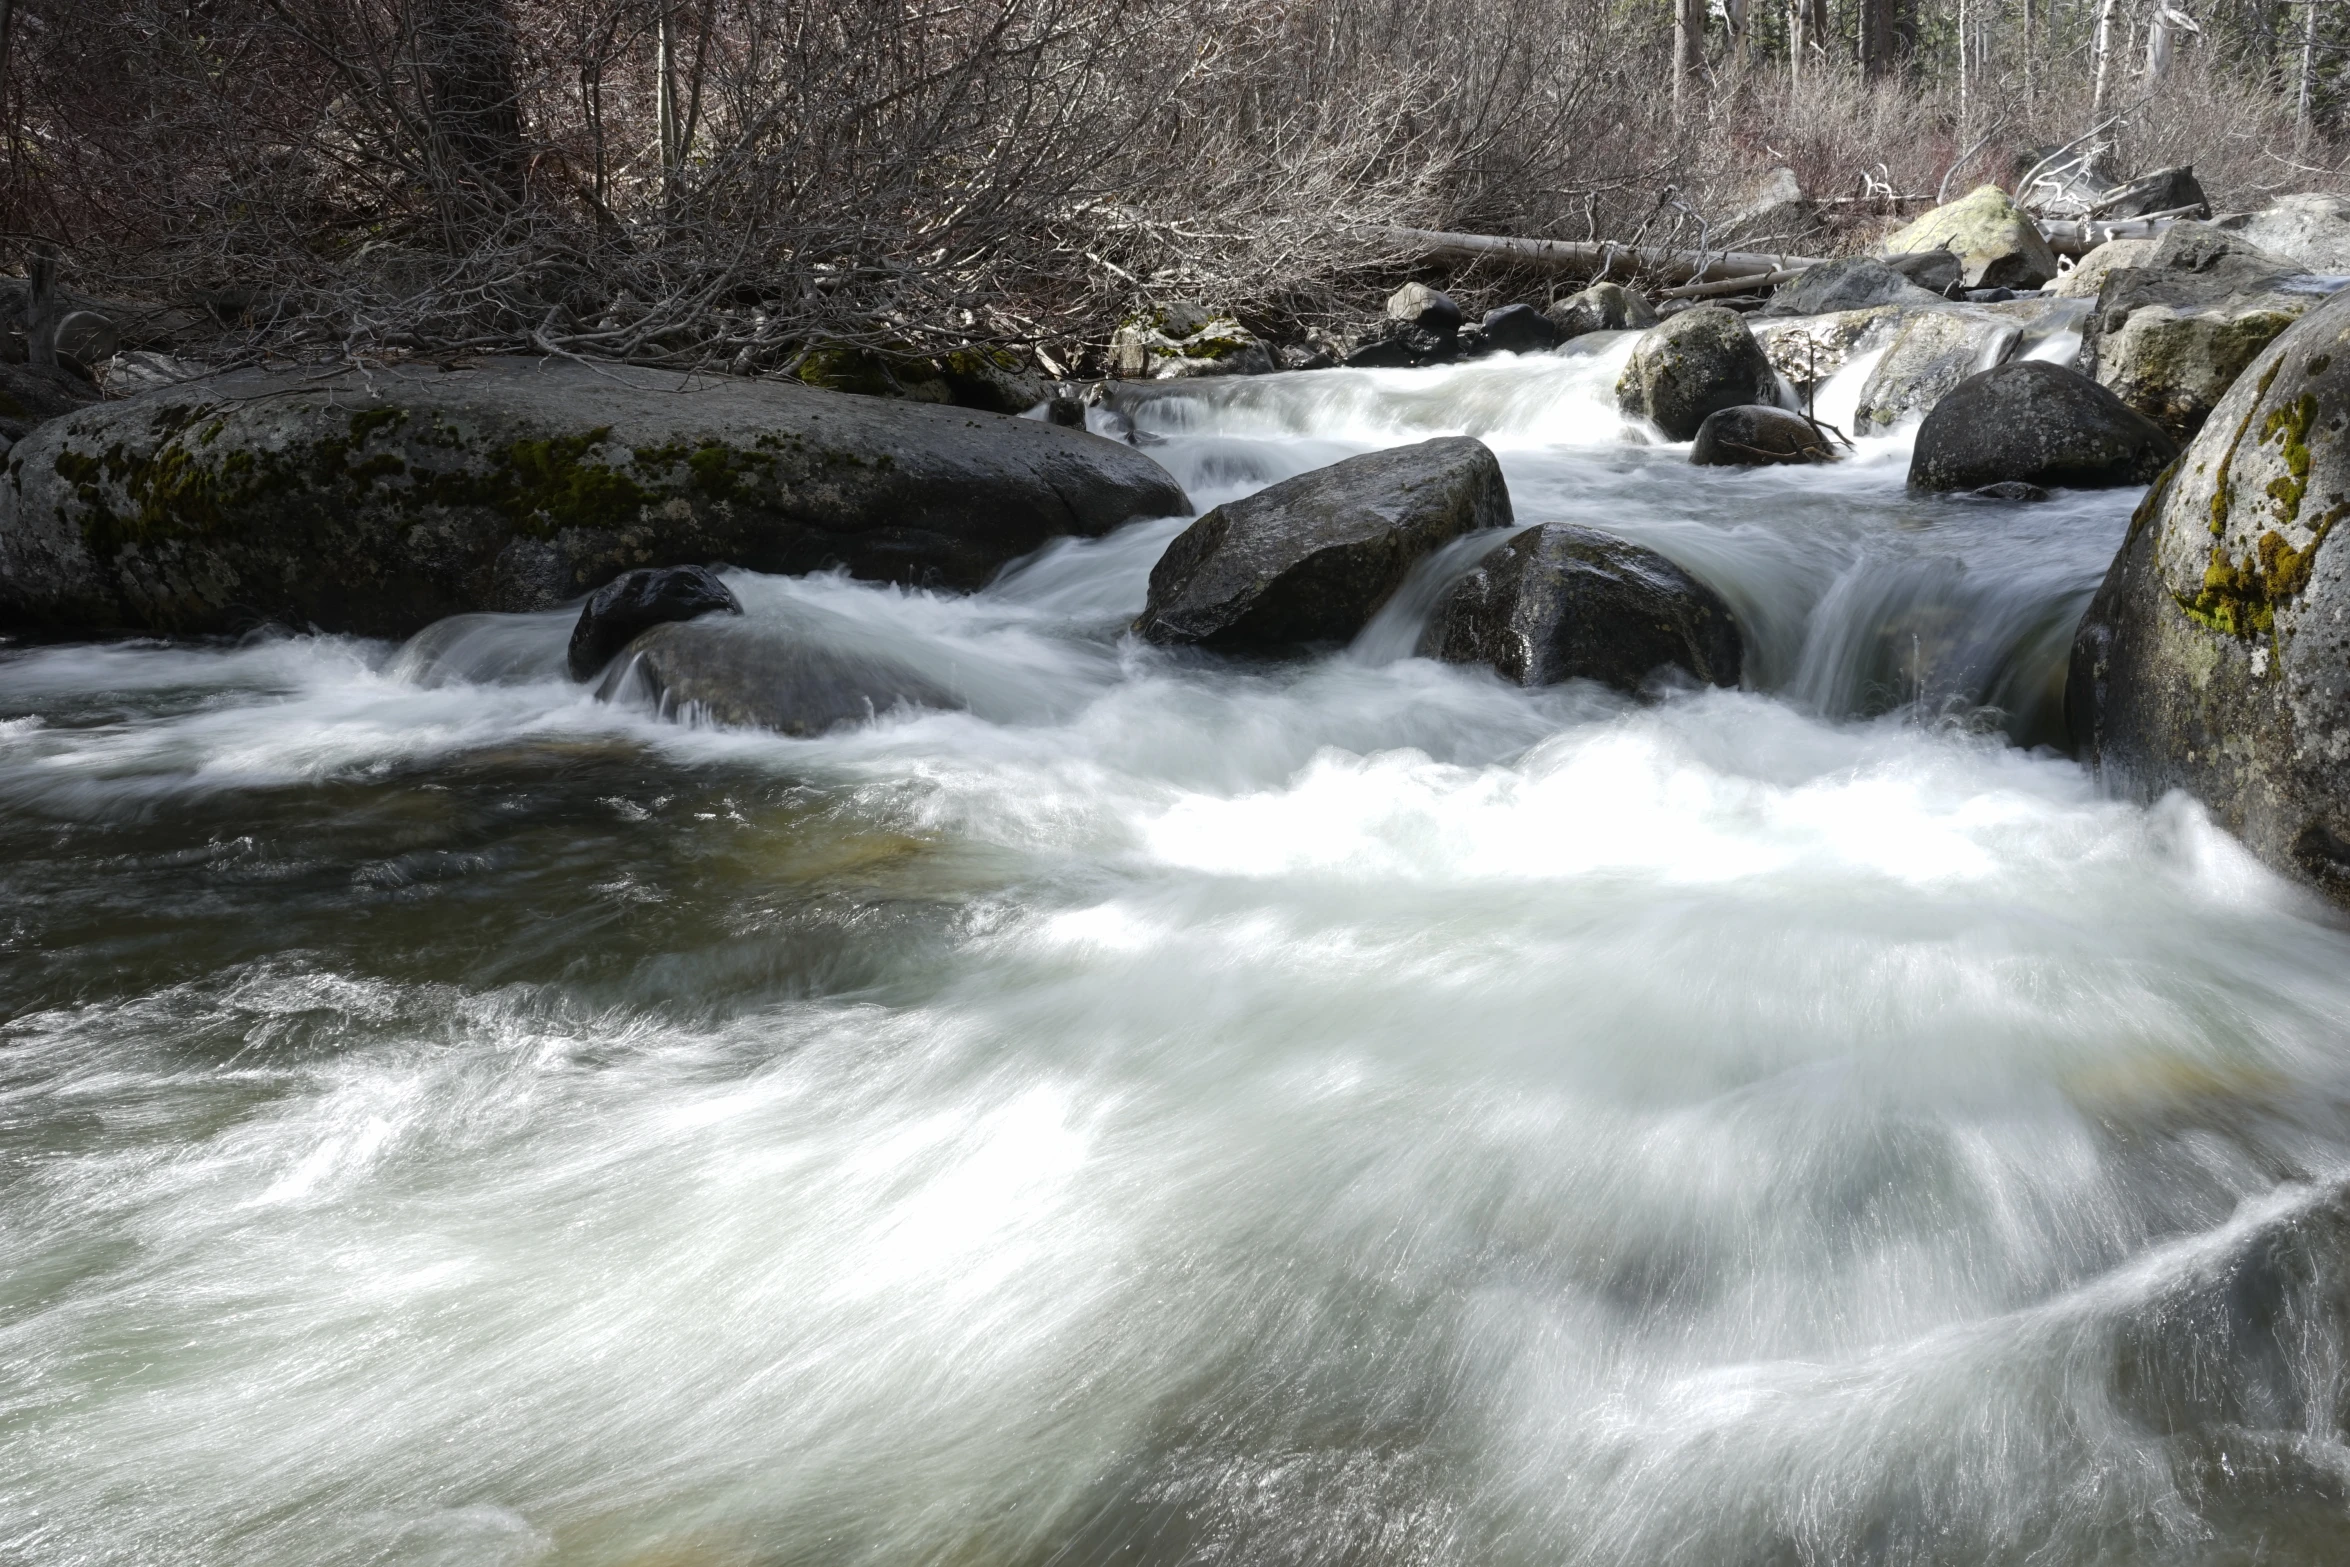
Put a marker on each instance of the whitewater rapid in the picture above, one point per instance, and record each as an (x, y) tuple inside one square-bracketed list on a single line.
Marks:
[(1334, 1110)]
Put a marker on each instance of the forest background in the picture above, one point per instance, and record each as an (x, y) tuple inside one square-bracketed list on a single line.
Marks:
[(734, 182)]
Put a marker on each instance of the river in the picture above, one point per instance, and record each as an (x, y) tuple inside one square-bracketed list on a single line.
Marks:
[(1345, 1110)]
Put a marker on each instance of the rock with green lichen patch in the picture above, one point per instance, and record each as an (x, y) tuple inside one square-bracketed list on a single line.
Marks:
[(1185, 340), (377, 504), (2216, 655), (1997, 243)]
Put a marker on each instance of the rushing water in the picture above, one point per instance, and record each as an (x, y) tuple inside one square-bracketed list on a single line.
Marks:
[(1336, 1111)]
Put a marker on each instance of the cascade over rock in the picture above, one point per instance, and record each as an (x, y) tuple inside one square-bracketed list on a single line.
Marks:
[(768, 674), (377, 504), (2040, 423), (1312, 558), (1698, 362), (1560, 602), (1931, 354), (638, 600), (2216, 655)]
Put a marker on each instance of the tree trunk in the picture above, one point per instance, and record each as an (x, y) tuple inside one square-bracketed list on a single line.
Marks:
[(2302, 99), (1878, 43), (465, 55), (2102, 55), (1688, 45), (665, 95), (1795, 10)]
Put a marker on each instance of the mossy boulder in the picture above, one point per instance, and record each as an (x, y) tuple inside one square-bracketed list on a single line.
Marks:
[(1996, 242), (1565, 603), (992, 379), (1697, 363), (1603, 307), (2216, 655), (1185, 340), (379, 503)]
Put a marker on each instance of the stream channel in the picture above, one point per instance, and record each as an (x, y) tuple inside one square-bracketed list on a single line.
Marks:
[(1344, 1110)]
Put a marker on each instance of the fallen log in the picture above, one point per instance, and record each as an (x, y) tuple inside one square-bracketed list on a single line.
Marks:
[(1600, 257), (2079, 236), (1732, 285)]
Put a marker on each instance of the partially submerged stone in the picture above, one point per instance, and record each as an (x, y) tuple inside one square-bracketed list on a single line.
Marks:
[(769, 673), (2039, 423), (1566, 603), (1312, 558), (1698, 362), (1518, 329), (1997, 243), (1754, 436), (634, 602), (2216, 655), (379, 503), (1932, 353)]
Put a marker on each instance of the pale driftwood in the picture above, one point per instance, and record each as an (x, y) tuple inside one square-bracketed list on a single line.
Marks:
[(1602, 256), (2079, 236), (1732, 285)]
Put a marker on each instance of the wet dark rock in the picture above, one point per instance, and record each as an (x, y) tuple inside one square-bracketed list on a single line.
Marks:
[(1065, 411), (2216, 655), (1565, 603), (1936, 271), (1518, 329), (380, 504), (1755, 436), (636, 601), (2011, 490), (1312, 558), (1416, 304), (1852, 283), (2164, 190), (768, 674), (1603, 307), (1400, 345), (1931, 353), (34, 394), (2040, 423), (1697, 363)]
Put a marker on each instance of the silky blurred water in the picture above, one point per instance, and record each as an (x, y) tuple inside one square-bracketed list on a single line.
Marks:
[(1341, 1110)]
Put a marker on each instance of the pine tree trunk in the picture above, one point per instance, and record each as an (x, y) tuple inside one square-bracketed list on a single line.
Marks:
[(1688, 45), (465, 55)]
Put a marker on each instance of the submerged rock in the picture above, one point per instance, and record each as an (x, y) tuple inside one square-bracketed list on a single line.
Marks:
[(1565, 603), (379, 504), (1997, 243), (1699, 362), (1312, 558), (2170, 334), (1931, 354), (769, 674), (2040, 423), (1753, 436), (2216, 655), (1852, 283), (2010, 490), (1603, 307), (637, 600)]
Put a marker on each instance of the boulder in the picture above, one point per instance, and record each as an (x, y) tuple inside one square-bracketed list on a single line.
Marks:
[(1933, 352), (1776, 214), (34, 394), (2312, 231), (768, 673), (992, 379), (1851, 283), (1312, 558), (1565, 603), (2089, 273), (1603, 307), (1938, 272), (1699, 361), (2215, 657), (2172, 333), (1186, 340), (1807, 350), (1518, 329), (635, 601), (1754, 436), (377, 504), (2040, 423), (1416, 304), (1997, 244), (2164, 190)]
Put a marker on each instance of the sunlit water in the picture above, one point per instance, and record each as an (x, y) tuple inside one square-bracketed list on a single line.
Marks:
[(1335, 1111)]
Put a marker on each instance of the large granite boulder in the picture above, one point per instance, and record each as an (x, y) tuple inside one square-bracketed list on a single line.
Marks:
[(768, 673), (2089, 273), (379, 503), (2171, 333), (2310, 230), (1698, 362), (1603, 307), (1755, 436), (1851, 283), (1776, 215), (2040, 423), (2216, 655), (635, 602), (1931, 354), (1186, 340), (1312, 558), (1565, 603), (1997, 243)]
